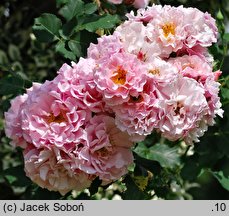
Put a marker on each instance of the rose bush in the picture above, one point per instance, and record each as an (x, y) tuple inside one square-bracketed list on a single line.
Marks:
[(130, 110)]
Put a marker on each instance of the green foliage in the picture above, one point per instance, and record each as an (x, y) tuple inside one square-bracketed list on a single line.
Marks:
[(80, 18), (46, 27), (224, 181), (71, 9), (105, 21), (168, 157), (133, 192)]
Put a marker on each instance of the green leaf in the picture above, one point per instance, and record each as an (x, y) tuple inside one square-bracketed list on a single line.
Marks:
[(226, 37), (46, 27), (14, 52), (60, 47), (152, 166), (132, 192), (16, 176), (224, 181), (11, 85), (190, 171), (68, 29), (106, 21), (71, 9), (225, 93), (90, 8), (168, 157), (3, 58), (11, 179), (75, 47), (60, 2), (43, 194)]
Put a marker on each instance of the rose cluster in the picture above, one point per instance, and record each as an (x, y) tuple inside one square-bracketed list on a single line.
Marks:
[(135, 3), (153, 74)]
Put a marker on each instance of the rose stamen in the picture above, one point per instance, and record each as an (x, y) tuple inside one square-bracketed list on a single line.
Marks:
[(119, 76), (168, 28), (155, 71), (57, 119)]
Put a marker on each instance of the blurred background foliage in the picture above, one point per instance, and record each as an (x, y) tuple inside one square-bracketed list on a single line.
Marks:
[(162, 169)]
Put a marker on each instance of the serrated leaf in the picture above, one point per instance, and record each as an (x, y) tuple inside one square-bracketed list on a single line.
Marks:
[(46, 27), (60, 47), (71, 9), (102, 22), (224, 181), (167, 157)]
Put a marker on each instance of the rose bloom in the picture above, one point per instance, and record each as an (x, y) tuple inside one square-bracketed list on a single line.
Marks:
[(192, 66), (54, 169), (13, 122), (48, 116), (168, 29), (212, 95), (78, 81), (177, 28), (184, 106), (51, 116), (106, 47), (118, 77), (161, 71), (135, 39), (196, 68), (106, 152), (201, 30), (140, 114)]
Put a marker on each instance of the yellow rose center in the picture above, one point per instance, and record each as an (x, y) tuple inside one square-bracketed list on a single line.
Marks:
[(168, 28), (119, 76), (57, 119), (155, 71)]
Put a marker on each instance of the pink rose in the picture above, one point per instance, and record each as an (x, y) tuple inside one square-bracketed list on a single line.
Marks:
[(119, 77), (54, 169), (52, 116), (184, 106), (107, 151), (13, 122)]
